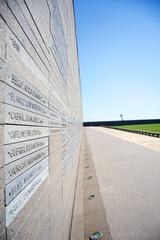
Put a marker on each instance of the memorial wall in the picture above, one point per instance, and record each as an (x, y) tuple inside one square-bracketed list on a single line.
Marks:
[(40, 119)]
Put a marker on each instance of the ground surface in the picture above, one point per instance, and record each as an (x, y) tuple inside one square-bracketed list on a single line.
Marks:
[(88, 215), (143, 127), (128, 174)]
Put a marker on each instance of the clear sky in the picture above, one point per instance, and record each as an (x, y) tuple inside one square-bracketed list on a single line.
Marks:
[(119, 54)]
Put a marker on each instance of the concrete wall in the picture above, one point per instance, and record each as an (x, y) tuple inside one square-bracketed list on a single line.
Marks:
[(40, 118)]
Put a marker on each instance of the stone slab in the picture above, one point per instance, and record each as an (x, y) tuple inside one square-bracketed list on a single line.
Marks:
[(21, 19), (13, 97), (17, 185), (40, 70), (18, 116), (15, 151), (18, 203), (15, 27), (24, 64), (14, 169), (13, 133), (12, 78)]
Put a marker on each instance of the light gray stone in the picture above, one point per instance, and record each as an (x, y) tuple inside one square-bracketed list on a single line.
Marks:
[(17, 185), (13, 97), (15, 151), (15, 26), (11, 77), (40, 112), (14, 169), (14, 133), (17, 204), (18, 116)]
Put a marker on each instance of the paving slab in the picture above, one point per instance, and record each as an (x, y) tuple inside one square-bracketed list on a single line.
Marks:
[(146, 141), (128, 175)]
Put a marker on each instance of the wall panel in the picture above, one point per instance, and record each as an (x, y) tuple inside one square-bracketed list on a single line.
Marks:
[(40, 118)]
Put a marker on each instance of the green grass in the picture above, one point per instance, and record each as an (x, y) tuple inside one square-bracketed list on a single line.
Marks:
[(144, 127)]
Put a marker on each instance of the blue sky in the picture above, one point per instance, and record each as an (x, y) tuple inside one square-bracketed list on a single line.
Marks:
[(119, 55)]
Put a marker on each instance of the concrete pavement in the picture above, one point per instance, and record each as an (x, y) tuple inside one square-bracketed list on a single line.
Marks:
[(146, 141), (128, 175), (89, 214)]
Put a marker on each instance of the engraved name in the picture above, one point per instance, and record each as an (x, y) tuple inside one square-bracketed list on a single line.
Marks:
[(27, 88), (22, 133), (21, 150), (13, 188), (14, 169), (15, 44), (18, 203), (20, 100), (18, 116)]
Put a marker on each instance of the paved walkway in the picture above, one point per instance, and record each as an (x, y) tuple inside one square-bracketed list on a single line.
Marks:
[(146, 141), (89, 213), (129, 180)]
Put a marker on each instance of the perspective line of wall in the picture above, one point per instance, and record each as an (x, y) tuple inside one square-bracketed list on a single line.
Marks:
[(40, 118)]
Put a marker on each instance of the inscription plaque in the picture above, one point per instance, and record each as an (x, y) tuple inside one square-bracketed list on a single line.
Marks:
[(16, 186), (18, 99), (18, 150), (16, 115), (15, 206), (14, 134), (17, 167), (11, 78)]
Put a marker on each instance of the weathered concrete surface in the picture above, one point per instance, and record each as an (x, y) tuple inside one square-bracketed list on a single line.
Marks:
[(146, 141), (128, 176)]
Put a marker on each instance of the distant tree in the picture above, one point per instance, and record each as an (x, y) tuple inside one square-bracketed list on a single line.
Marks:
[(121, 116)]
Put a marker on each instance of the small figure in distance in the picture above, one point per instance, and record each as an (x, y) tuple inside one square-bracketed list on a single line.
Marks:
[(121, 116)]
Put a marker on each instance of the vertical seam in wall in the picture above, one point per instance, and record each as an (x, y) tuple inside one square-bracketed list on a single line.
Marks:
[(75, 190)]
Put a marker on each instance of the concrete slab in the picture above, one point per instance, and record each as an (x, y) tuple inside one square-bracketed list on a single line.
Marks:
[(128, 175), (146, 141)]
